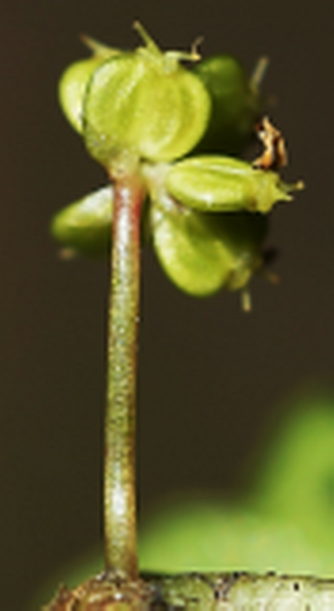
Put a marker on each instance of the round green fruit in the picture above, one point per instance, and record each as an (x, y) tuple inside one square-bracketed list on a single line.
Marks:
[(84, 227), (203, 253), (143, 105), (223, 184), (236, 105)]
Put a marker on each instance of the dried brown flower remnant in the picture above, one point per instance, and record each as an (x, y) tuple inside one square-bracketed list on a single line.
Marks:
[(274, 155)]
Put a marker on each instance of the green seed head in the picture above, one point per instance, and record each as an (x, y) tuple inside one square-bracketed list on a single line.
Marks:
[(140, 111), (143, 105)]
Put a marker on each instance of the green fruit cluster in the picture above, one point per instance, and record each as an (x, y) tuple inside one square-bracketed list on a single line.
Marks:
[(143, 110)]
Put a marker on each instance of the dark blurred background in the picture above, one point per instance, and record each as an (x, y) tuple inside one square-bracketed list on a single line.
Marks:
[(210, 375)]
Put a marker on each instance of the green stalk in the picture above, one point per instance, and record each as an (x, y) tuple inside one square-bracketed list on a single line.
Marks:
[(119, 470)]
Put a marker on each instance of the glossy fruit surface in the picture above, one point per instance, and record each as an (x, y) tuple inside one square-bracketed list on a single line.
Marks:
[(203, 253), (84, 227), (143, 105), (224, 184)]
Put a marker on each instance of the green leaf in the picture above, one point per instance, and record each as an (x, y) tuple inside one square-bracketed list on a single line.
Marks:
[(215, 536), (224, 184), (297, 482)]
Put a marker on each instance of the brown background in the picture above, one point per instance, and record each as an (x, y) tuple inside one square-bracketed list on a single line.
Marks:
[(210, 375)]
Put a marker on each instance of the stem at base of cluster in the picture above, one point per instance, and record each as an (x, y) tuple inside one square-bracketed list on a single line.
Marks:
[(119, 469)]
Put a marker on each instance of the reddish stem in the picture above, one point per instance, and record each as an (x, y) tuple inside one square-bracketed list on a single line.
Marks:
[(120, 488)]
